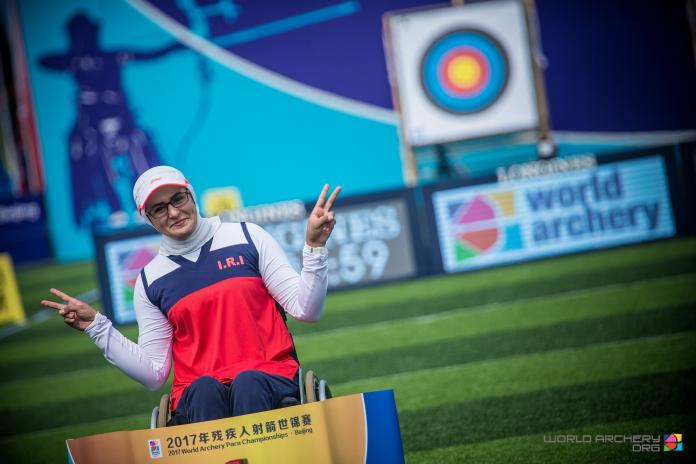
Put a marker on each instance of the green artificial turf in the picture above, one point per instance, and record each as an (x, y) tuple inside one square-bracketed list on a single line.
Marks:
[(483, 364)]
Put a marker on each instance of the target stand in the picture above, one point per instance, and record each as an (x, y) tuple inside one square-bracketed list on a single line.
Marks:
[(466, 73)]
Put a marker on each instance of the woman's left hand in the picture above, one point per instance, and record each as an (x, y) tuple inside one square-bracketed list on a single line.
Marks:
[(322, 220)]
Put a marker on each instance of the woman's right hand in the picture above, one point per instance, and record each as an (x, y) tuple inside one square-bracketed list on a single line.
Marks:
[(77, 314)]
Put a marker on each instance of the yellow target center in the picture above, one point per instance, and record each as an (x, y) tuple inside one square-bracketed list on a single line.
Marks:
[(464, 71)]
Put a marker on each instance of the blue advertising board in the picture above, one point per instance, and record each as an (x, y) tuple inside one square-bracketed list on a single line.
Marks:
[(23, 229), (611, 204)]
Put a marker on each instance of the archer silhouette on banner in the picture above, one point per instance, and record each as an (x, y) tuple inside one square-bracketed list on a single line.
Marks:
[(108, 151)]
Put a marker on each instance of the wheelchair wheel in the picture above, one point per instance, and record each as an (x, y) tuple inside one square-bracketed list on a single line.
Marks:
[(310, 387), (163, 414), (324, 391)]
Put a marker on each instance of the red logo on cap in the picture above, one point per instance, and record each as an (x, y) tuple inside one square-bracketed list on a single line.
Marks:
[(155, 179)]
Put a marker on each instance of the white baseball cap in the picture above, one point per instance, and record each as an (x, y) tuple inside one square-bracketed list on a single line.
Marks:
[(154, 178)]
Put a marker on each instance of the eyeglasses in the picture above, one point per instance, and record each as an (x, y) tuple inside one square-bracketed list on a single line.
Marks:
[(160, 210)]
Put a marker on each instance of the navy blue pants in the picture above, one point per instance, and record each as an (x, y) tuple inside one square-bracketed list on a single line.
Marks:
[(251, 391)]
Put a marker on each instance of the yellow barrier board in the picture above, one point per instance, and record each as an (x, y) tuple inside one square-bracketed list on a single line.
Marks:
[(361, 428), (11, 309)]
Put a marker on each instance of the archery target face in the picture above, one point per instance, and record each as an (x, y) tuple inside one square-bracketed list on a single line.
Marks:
[(463, 72)]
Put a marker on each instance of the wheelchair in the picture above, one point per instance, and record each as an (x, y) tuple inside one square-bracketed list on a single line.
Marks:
[(312, 388)]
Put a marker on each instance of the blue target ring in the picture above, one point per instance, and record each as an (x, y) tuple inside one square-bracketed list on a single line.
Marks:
[(464, 71)]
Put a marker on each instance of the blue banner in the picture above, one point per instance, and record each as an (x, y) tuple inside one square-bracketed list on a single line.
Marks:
[(612, 204), (23, 229)]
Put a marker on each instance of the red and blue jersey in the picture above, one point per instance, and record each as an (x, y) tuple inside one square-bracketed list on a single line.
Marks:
[(224, 320)]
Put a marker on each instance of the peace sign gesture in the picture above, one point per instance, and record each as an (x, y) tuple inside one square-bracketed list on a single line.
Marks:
[(77, 314), (322, 220)]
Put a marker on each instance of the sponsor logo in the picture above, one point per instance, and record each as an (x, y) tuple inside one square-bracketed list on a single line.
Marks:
[(155, 448), (17, 212), (483, 223), (545, 167), (155, 179), (673, 442)]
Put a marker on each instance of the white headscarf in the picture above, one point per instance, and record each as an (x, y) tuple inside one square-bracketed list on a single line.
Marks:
[(157, 177)]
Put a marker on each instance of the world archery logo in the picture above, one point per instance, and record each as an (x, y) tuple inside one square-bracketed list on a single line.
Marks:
[(483, 223), (155, 448), (464, 71), (673, 442)]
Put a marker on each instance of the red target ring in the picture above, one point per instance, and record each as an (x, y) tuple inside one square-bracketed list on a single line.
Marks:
[(464, 72)]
